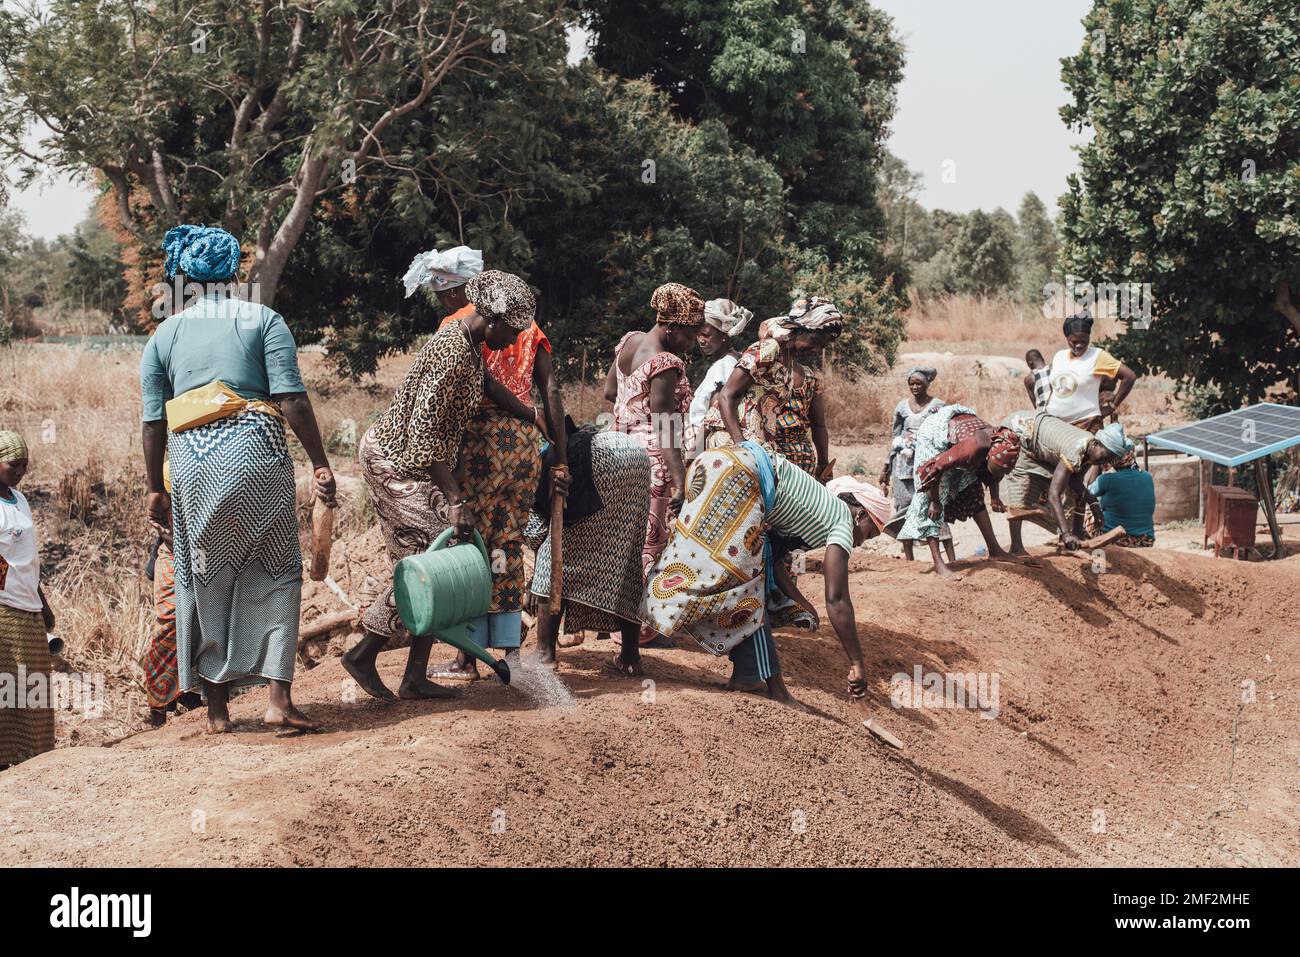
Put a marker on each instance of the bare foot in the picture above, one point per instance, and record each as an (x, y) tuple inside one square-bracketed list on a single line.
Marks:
[(219, 725), (748, 687), (424, 690), (572, 641), (289, 717), (455, 671), (948, 574), (367, 676)]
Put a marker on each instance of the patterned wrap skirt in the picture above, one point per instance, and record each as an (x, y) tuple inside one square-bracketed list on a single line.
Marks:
[(238, 564), (501, 464), (159, 664), (500, 469), (710, 582), (24, 731), (603, 581)]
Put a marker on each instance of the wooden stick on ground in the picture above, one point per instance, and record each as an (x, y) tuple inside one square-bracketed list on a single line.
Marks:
[(324, 624), (1101, 541)]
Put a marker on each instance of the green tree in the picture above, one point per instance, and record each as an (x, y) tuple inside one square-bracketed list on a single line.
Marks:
[(810, 87), (909, 234), (983, 253), (1036, 249), (1191, 183), (95, 274), (256, 115)]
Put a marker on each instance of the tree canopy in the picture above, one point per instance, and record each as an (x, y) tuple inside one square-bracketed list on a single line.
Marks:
[(1191, 183), (338, 138)]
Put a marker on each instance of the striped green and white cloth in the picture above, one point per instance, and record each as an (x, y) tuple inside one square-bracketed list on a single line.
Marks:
[(803, 509)]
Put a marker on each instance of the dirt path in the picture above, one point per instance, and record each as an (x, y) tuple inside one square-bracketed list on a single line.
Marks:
[(1119, 738)]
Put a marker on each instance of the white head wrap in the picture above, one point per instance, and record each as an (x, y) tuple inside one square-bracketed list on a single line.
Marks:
[(445, 270), (726, 316), (810, 314)]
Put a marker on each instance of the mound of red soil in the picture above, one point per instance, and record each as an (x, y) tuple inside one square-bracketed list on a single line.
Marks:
[(1121, 734)]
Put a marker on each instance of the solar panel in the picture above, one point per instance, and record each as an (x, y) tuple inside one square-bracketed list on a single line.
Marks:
[(1235, 438)]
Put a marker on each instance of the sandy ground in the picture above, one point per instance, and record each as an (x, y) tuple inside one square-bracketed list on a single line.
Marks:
[(1121, 734)]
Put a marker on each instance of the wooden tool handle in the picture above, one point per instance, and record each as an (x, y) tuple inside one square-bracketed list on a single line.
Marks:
[(557, 552), (322, 534)]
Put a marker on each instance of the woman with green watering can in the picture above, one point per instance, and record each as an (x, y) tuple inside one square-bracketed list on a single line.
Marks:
[(409, 459)]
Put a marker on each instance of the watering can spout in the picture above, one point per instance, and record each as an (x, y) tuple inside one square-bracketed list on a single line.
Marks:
[(503, 671)]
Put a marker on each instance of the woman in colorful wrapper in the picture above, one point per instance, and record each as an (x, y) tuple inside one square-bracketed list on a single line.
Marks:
[(713, 577), (774, 399), (957, 455), (26, 721), (231, 509), (409, 460), (651, 395), (500, 457), (908, 416)]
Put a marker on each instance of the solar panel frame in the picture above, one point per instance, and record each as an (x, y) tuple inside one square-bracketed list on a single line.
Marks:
[(1218, 438)]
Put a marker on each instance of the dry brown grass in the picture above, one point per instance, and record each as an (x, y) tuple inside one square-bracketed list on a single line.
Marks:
[(988, 325)]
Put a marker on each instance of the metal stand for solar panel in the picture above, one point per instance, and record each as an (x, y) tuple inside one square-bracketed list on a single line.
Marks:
[(1223, 439)]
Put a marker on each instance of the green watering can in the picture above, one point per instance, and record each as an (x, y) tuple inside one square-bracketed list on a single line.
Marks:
[(439, 591)]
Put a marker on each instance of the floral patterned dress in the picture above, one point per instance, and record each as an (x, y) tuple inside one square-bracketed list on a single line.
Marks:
[(774, 411), (633, 417)]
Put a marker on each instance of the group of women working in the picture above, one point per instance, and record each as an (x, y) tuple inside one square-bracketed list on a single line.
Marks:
[(461, 446), (1048, 457), (679, 522)]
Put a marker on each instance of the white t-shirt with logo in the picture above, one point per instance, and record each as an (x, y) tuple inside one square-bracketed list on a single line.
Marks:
[(20, 569), (1076, 383)]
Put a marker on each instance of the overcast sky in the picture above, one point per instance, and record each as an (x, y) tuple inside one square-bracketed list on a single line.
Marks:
[(982, 87), (980, 93)]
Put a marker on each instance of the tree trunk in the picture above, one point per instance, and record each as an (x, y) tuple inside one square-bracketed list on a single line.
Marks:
[(271, 261), (1286, 307)]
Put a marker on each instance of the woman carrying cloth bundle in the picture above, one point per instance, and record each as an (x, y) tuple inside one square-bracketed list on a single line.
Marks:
[(711, 582), (238, 566), (651, 394), (957, 455), (409, 461)]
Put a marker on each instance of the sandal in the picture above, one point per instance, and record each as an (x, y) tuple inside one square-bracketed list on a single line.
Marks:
[(621, 669)]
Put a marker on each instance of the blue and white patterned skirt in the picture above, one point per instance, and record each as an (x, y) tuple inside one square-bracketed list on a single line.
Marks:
[(238, 561)]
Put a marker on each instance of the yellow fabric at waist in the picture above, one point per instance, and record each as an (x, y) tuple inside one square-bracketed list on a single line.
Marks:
[(211, 402)]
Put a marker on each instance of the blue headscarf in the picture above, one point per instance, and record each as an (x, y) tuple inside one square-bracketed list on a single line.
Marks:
[(203, 253), (1114, 439)]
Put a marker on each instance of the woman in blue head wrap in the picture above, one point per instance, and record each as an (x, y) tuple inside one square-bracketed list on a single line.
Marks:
[(231, 513), (202, 253)]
